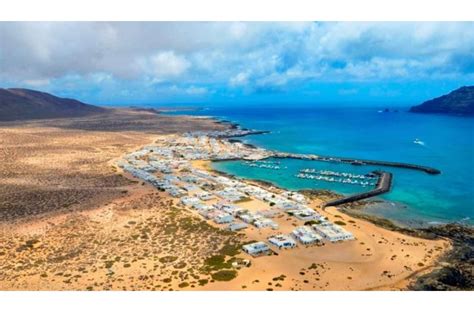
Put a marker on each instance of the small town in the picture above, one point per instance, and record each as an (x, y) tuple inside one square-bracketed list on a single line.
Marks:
[(282, 219)]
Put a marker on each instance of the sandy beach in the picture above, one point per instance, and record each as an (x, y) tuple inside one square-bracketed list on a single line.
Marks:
[(71, 220), (377, 260)]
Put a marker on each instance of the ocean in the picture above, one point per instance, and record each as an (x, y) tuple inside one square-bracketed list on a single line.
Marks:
[(416, 198)]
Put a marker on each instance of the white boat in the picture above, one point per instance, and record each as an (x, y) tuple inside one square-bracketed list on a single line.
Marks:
[(417, 141)]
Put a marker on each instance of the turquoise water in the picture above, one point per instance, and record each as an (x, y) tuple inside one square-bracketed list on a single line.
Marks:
[(367, 133)]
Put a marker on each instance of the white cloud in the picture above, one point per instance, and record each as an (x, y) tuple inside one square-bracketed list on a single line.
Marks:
[(192, 90), (240, 55), (241, 79), (167, 65)]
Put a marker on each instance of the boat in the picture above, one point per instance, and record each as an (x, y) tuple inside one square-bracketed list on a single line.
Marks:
[(419, 142), (323, 176), (263, 164)]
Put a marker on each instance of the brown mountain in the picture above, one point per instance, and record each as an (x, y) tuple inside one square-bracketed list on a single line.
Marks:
[(21, 104), (458, 102)]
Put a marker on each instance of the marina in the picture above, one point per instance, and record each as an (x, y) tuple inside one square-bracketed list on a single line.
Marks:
[(339, 174), (337, 177), (363, 180), (275, 165), (382, 180)]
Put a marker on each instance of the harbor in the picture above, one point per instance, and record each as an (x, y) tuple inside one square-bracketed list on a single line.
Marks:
[(252, 156), (382, 180)]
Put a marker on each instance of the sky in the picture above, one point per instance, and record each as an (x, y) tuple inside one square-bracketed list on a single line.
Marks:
[(187, 63)]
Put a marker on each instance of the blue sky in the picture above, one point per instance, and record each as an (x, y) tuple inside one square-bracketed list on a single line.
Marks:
[(259, 63)]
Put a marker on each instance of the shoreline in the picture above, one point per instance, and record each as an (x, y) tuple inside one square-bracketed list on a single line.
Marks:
[(425, 169), (411, 278)]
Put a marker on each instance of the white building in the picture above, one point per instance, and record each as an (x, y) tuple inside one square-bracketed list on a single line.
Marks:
[(205, 196), (247, 217), (297, 197), (224, 181), (190, 201), (265, 223), (176, 192), (333, 232), (229, 208), (257, 248), (306, 236), (230, 194), (201, 206), (286, 204), (236, 226), (222, 217), (306, 214), (269, 213), (282, 241)]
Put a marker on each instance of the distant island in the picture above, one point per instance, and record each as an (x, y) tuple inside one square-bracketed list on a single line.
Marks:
[(22, 104), (458, 102)]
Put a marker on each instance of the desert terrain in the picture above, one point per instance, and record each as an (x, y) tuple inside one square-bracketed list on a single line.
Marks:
[(64, 164), (71, 220)]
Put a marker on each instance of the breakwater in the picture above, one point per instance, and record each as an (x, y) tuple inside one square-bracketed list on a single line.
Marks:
[(245, 132), (384, 184), (357, 162)]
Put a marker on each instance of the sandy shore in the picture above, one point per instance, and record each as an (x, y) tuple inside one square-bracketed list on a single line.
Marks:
[(378, 259), (70, 220)]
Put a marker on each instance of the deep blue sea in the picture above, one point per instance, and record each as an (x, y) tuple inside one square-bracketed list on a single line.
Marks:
[(416, 198)]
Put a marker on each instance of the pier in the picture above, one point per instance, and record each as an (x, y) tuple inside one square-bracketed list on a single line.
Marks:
[(384, 185), (358, 162), (243, 132)]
